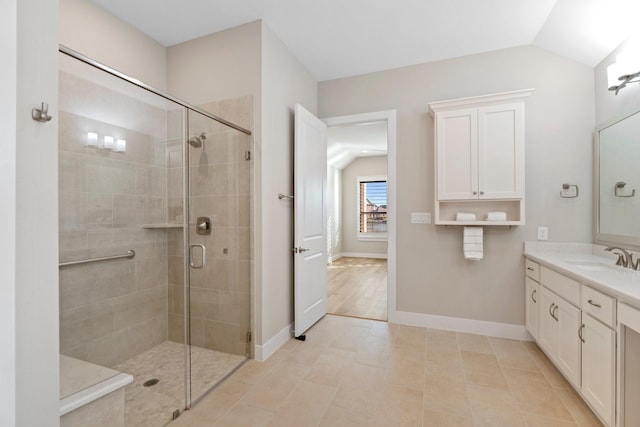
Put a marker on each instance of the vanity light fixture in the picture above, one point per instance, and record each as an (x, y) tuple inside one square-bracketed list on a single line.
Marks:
[(92, 139), (106, 143), (109, 143), (626, 69)]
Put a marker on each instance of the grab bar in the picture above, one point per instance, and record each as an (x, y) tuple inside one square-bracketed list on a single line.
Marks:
[(130, 254)]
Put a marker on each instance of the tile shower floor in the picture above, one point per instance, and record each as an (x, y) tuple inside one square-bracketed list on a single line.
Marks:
[(153, 406), (356, 372)]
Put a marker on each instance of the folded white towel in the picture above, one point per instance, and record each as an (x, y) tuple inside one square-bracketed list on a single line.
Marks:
[(472, 240), (472, 245), (497, 216), (465, 216)]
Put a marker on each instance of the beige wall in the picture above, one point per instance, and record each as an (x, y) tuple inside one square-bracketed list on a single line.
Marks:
[(432, 276), (94, 32), (334, 213), (28, 213), (219, 66), (364, 166), (285, 82)]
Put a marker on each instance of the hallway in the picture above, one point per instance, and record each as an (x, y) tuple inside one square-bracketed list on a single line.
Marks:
[(357, 287)]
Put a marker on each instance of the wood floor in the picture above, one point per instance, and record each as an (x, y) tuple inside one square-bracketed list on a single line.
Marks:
[(357, 287)]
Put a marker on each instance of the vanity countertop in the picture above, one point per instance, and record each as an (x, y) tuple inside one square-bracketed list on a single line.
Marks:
[(588, 264)]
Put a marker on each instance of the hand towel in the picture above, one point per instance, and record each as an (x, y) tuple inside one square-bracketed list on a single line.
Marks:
[(497, 216), (472, 243), (465, 216)]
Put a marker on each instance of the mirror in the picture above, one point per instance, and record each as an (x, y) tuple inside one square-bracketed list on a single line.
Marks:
[(617, 182)]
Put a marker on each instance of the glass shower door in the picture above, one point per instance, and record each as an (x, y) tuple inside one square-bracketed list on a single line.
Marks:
[(218, 294), (121, 214)]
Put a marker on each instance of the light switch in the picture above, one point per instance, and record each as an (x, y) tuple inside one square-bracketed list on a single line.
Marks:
[(421, 217)]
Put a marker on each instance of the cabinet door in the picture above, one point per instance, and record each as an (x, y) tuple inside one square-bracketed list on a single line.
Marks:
[(501, 151), (568, 357), (598, 367), (531, 307), (457, 154), (547, 324)]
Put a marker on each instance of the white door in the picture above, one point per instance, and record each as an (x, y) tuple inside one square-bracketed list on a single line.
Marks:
[(310, 243)]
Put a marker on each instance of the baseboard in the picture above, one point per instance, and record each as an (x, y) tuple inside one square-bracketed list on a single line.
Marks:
[(363, 255), (455, 324), (263, 352)]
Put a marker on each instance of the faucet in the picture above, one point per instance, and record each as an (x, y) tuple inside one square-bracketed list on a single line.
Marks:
[(625, 259)]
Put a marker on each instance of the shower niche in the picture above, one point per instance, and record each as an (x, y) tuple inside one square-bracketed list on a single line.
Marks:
[(137, 170)]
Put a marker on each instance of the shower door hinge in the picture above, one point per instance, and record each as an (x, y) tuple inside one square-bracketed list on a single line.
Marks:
[(249, 336)]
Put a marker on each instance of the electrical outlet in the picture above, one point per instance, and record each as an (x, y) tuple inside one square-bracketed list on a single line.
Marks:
[(421, 217), (543, 233)]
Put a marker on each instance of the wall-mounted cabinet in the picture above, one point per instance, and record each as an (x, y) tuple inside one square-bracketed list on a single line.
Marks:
[(479, 158)]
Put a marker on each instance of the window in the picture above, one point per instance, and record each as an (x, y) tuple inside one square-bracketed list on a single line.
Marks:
[(372, 209)]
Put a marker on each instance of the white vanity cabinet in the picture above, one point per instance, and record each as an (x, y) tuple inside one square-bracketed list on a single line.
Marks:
[(479, 153), (576, 329)]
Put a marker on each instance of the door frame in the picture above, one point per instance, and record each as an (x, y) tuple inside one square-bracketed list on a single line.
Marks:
[(390, 117)]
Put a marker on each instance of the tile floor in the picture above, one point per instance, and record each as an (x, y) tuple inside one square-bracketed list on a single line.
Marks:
[(356, 372)]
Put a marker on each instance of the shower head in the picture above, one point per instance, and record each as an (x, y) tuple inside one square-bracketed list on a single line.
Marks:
[(197, 141)]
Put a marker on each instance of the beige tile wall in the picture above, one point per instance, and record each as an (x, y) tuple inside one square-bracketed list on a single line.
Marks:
[(111, 310), (220, 294)]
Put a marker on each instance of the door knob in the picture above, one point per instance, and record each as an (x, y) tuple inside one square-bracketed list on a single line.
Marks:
[(299, 250)]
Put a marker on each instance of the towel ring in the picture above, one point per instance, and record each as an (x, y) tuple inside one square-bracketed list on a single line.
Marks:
[(620, 186), (566, 187)]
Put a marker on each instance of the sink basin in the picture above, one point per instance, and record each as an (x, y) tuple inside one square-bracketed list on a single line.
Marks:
[(591, 266)]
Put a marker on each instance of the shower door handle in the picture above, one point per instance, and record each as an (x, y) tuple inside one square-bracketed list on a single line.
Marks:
[(203, 261)]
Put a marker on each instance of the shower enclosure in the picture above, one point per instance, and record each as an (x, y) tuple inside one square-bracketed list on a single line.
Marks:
[(155, 238)]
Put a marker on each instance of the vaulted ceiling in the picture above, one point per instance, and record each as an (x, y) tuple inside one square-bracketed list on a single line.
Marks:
[(339, 38)]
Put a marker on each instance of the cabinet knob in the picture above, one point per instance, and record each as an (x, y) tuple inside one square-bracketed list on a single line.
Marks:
[(482, 192), (475, 193)]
